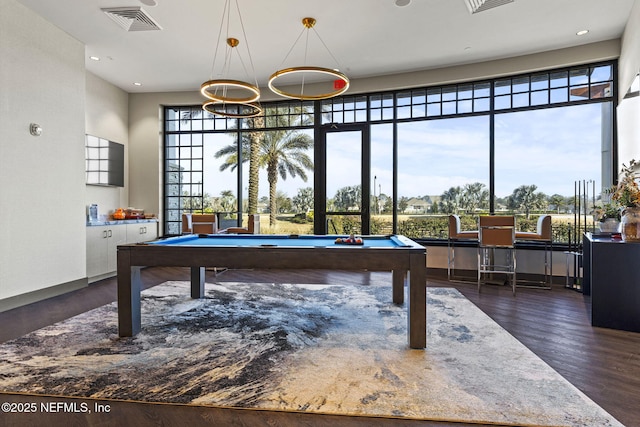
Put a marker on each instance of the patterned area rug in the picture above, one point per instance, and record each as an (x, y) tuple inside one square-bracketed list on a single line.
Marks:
[(315, 348)]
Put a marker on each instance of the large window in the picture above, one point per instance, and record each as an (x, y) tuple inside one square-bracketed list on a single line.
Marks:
[(183, 178), (382, 206), (549, 149), (443, 168), (193, 180), (469, 148), (207, 166)]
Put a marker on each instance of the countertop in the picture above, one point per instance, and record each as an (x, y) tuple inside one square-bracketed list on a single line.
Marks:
[(121, 222)]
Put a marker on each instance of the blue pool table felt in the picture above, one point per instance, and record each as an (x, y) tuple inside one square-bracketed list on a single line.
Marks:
[(277, 241)]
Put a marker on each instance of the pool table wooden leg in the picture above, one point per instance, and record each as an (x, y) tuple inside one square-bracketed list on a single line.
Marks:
[(197, 282), (129, 286), (398, 286), (417, 307)]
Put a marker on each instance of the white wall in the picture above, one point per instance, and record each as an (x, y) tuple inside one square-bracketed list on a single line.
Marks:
[(107, 116), (628, 131), (42, 196), (629, 109), (629, 64), (594, 52)]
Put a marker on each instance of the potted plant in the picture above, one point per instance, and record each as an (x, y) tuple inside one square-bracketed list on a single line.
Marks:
[(627, 194), (608, 217)]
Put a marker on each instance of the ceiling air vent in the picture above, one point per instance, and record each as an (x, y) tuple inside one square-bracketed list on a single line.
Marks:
[(476, 6), (131, 18)]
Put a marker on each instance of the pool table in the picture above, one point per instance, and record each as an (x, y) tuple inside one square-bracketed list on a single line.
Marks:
[(376, 253)]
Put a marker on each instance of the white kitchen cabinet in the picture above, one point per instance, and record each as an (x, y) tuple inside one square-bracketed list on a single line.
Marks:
[(102, 243), (142, 232)]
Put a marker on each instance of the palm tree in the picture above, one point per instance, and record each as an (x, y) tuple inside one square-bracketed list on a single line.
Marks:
[(451, 200), (525, 199), (474, 196), (283, 152), (254, 167)]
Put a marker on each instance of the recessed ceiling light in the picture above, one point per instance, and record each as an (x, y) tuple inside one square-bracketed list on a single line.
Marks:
[(149, 2), (402, 3), (582, 32), (137, 84), (94, 58)]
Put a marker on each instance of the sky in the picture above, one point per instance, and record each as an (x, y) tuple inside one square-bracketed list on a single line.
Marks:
[(550, 148)]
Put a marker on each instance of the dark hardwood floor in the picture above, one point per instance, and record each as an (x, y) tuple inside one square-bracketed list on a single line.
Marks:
[(603, 363)]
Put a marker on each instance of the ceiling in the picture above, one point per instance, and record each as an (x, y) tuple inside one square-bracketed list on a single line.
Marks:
[(366, 37)]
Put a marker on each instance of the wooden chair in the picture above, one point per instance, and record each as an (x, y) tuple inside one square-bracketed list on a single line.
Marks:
[(544, 236), (496, 248), (253, 227), (199, 223), (497, 220)]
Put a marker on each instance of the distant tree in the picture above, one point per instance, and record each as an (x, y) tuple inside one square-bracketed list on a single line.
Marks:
[(348, 198), (388, 203), (227, 201), (207, 202), (558, 202), (403, 204), (474, 196), (283, 203), (303, 201), (191, 203), (544, 201), (525, 199), (570, 203), (384, 203), (451, 201)]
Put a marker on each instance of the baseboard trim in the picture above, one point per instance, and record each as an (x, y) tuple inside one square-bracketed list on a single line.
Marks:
[(41, 294)]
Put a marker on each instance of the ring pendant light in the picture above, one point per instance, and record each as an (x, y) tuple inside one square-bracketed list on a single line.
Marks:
[(308, 24), (233, 109), (243, 102)]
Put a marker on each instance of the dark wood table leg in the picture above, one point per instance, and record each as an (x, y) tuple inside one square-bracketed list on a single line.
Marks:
[(129, 286), (398, 286), (417, 307), (197, 282)]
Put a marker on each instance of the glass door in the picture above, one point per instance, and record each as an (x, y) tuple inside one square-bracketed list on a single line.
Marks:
[(344, 200)]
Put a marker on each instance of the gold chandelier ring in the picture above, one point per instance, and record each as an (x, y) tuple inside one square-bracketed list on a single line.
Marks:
[(308, 69), (210, 87), (253, 109)]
